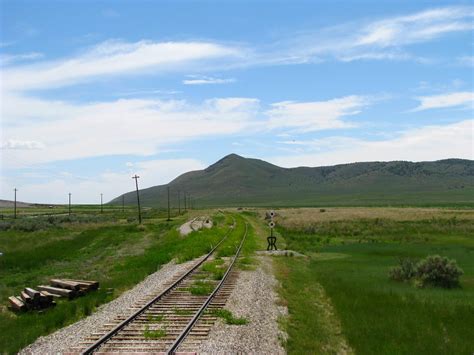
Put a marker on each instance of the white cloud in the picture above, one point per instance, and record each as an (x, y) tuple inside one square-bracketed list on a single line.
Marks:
[(384, 39), (427, 143), (113, 58), (316, 115), (111, 184), (6, 59), (466, 60), (204, 80), (19, 144), (419, 27), (131, 126), (455, 99), (145, 126)]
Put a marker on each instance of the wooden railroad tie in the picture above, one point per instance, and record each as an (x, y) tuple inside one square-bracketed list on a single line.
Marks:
[(31, 299)]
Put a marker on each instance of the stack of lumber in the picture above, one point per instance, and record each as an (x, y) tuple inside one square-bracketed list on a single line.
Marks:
[(33, 299)]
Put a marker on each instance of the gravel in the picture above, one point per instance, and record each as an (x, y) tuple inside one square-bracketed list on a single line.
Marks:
[(254, 298), (194, 225), (71, 336)]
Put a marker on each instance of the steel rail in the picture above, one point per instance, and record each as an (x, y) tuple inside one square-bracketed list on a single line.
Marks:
[(201, 310), (96, 345)]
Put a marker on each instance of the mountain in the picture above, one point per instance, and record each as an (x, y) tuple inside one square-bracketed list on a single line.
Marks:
[(238, 181)]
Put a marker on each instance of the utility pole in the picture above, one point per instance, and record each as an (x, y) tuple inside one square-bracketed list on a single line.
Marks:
[(179, 203), (14, 208), (169, 217), (69, 203), (101, 206), (189, 202), (123, 203), (185, 209), (136, 177)]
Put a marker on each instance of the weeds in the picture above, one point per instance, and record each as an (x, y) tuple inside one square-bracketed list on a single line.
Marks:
[(155, 318), (228, 317), (154, 334), (201, 288)]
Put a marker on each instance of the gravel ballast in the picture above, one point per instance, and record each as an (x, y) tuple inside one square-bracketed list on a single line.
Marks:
[(254, 298), (71, 336)]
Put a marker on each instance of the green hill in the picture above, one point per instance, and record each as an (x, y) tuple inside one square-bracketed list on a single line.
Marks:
[(238, 181)]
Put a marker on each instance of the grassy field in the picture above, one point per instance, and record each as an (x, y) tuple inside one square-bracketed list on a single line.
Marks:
[(340, 297), (113, 251)]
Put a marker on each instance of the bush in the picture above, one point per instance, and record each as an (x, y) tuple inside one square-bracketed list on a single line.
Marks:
[(404, 271), (434, 270), (438, 271)]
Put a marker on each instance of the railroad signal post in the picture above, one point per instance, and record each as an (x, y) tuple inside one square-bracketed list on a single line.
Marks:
[(136, 177), (271, 239)]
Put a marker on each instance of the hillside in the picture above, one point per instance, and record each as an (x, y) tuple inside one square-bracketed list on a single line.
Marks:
[(238, 181)]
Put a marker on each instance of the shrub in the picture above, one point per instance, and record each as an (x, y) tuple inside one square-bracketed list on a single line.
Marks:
[(438, 271), (434, 270), (404, 271)]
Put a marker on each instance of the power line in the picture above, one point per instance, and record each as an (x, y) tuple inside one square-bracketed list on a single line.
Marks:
[(69, 203), (179, 203), (136, 177)]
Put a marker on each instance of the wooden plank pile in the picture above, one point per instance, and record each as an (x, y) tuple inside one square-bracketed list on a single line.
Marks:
[(31, 299)]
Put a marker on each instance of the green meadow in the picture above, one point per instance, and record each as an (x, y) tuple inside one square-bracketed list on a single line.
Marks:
[(117, 253), (341, 299)]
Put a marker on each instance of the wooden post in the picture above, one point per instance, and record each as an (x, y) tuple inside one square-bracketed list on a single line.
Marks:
[(136, 177)]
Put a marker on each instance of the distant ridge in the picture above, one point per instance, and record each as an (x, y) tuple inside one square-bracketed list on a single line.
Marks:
[(239, 181)]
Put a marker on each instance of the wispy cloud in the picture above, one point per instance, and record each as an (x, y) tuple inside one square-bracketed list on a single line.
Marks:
[(316, 115), (7, 59), (420, 144), (455, 99), (145, 126), (86, 189), (140, 126), (384, 39), (14, 144), (205, 80), (466, 60), (114, 58)]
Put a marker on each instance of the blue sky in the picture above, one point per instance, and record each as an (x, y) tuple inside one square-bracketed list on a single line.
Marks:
[(95, 91)]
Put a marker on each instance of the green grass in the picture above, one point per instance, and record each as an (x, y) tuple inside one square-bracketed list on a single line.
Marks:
[(154, 334), (215, 268), (351, 260), (182, 312), (155, 318), (116, 254), (228, 317), (201, 288)]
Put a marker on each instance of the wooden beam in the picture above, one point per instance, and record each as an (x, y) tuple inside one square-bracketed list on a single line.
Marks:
[(16, 303), (70, 285), (32, 293), (92, 285), (57, 291)]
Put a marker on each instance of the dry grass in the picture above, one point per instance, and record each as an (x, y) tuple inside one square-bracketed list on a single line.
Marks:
[(303, 216)]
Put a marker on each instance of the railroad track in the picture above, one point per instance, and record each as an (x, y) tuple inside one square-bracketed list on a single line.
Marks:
[(177, 319)]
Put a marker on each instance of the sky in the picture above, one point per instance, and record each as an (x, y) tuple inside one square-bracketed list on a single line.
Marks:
[(92, 92)]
